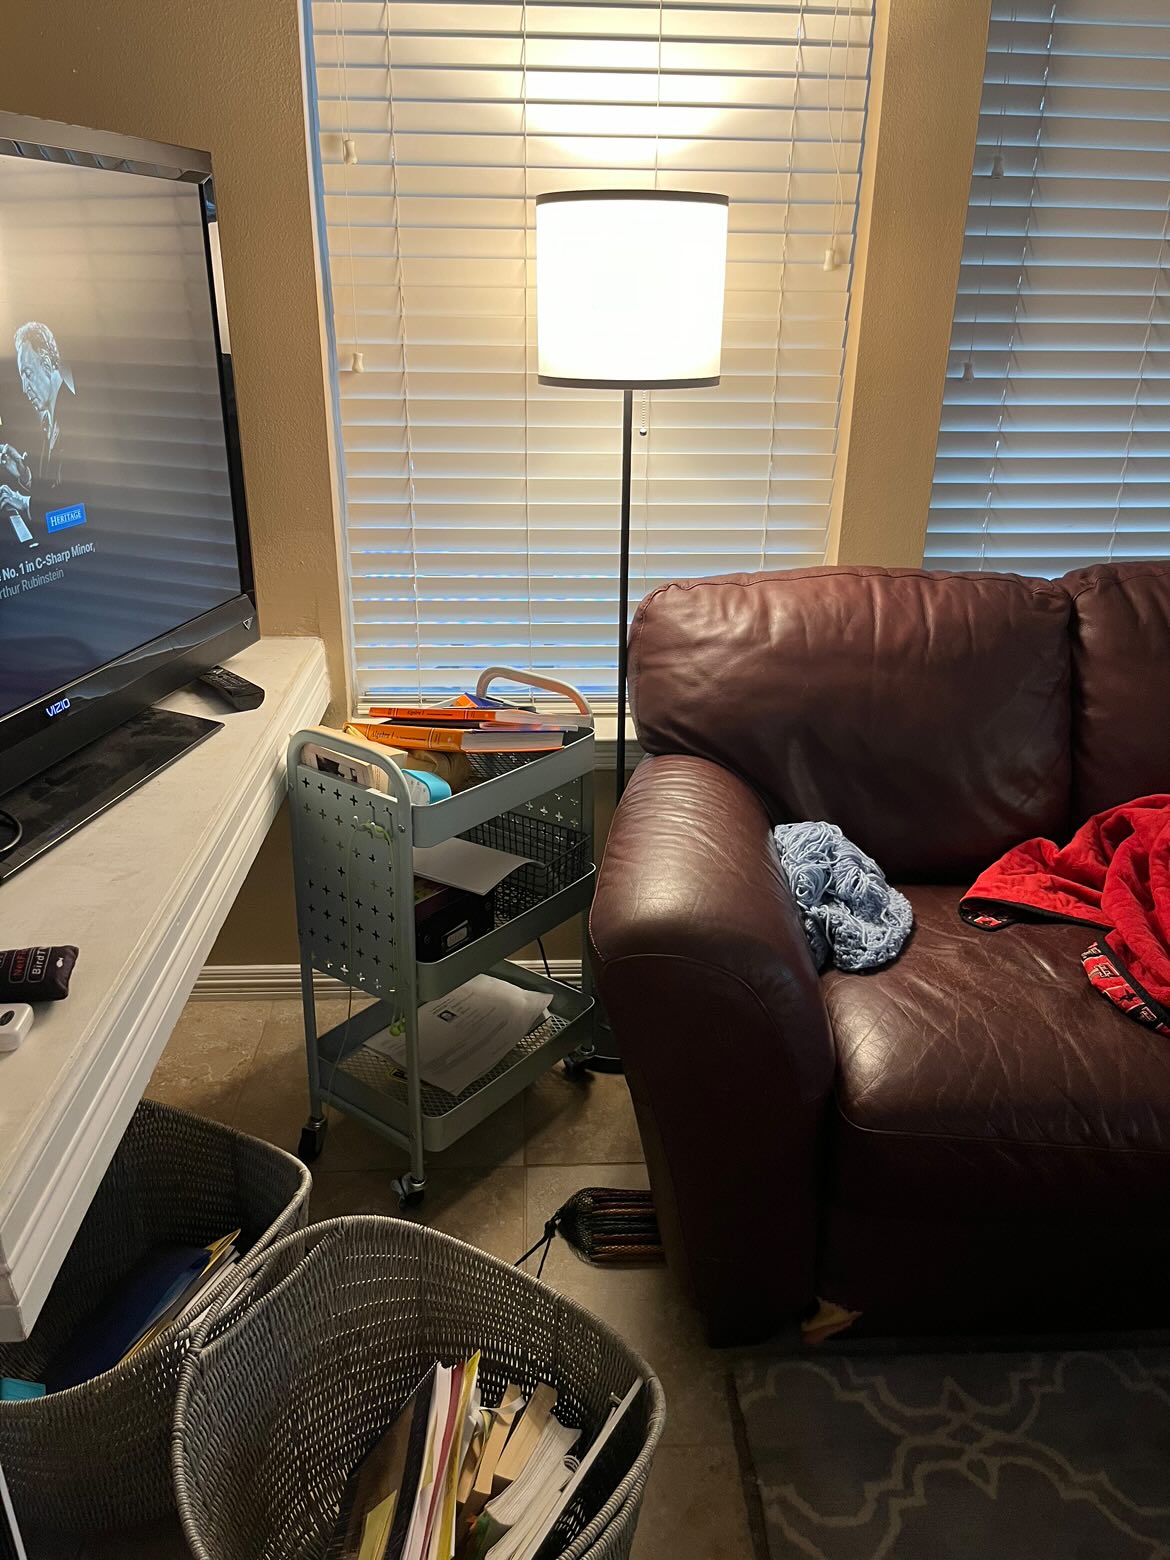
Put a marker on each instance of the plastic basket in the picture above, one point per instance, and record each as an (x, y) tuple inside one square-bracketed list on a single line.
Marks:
[(97, 1456), (284, 1391)]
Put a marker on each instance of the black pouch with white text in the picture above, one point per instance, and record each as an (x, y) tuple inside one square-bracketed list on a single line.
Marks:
[(35, 974)]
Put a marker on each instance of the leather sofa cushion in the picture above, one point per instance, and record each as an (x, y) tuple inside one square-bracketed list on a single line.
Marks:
[(926, 713), (980, 1074), (1121, 683)]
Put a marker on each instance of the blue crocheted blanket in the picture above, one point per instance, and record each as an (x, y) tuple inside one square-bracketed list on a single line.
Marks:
[(852, 917)]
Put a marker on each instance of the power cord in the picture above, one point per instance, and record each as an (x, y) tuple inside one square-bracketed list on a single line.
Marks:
[(14, 827)]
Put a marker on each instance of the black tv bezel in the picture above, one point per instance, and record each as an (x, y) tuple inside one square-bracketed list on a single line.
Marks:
[(31, 739)]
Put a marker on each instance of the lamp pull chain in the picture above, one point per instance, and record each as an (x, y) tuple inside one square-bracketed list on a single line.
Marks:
[(644, 420)]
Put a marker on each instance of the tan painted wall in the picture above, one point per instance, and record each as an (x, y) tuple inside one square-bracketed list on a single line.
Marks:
[(920, 139), (224, 76)]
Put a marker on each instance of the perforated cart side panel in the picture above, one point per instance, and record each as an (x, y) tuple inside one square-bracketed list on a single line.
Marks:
[(342, 866)]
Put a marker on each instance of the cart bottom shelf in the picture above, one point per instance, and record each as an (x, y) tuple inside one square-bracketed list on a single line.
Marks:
[(364, 1083)]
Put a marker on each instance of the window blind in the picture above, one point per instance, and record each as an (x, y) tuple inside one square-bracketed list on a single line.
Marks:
[(1054, 446), (482, 508)]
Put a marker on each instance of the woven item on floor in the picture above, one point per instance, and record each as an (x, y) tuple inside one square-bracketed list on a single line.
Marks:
[(334, 1330), (606, 1225), (97, 1456)]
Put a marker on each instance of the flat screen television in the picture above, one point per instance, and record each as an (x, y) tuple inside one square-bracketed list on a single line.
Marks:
[(124, 560)]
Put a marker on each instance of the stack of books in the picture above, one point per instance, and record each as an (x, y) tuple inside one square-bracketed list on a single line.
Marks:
[(169, 1284), (452, 1479), (471, 723)]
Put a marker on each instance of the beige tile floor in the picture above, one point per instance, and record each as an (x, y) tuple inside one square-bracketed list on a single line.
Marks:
[(242, 1063)]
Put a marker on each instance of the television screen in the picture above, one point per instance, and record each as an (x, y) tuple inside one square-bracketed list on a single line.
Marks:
[(116, 518)]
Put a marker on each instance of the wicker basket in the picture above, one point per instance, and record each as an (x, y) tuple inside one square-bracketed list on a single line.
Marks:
[(282, 1394), (97, 1456)]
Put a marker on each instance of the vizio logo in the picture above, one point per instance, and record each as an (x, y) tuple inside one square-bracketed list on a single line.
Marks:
[(57, 709)]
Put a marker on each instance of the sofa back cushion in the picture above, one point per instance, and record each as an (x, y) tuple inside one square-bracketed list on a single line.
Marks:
[(1120, 683), (925, 713)]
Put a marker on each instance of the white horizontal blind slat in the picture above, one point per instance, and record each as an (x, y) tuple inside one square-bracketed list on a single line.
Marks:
[(481, 507), (1054, 445)]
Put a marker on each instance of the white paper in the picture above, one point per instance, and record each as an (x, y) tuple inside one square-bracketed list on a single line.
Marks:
[(537, 1532), (462, 864), (464, 1034)]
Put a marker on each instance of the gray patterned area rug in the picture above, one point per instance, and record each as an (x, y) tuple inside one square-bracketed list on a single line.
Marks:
[(1030, 1456)]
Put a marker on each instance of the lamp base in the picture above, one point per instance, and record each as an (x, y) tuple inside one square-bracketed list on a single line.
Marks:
[(605, 1056), (606, 1064)]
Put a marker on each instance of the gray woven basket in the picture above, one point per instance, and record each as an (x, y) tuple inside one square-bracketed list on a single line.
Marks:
[(282, 1394), (98, 1455)]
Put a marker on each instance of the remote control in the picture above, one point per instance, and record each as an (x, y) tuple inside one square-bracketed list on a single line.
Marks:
[(16, 1019), (236, 691)]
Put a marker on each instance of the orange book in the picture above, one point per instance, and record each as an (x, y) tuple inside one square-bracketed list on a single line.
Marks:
[(465, 715), (456, 739)]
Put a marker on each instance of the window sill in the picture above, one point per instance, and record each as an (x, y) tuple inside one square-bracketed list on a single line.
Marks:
[(605, 737)]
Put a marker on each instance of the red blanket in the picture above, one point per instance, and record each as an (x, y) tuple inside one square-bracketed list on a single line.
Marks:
[(1114, 874)]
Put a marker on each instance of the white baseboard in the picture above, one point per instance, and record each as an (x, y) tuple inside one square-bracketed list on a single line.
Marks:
[(282, 982)]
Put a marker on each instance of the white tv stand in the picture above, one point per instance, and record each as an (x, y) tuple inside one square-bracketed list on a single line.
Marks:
[(142, 891)]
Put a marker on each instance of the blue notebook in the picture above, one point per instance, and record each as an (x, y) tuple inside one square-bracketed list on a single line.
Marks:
[(151, 1287)]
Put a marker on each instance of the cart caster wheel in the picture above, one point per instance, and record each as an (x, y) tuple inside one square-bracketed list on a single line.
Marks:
[(576, 1064), (410, 1193), (312, 1139)]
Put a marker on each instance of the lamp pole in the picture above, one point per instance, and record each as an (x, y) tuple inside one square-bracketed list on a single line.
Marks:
[(606, 1057), (623, 648)]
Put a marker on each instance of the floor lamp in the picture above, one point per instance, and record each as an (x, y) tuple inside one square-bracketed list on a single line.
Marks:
[(629, 296)]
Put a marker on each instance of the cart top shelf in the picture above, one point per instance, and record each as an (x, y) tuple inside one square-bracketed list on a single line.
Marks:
[(505, 780), (517, 779), (513, 784)]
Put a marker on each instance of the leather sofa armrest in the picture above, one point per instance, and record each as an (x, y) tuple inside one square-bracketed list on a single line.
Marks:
[(705, 974)]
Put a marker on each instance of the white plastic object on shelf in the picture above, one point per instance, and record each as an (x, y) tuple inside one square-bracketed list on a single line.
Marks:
[(16, 1021)]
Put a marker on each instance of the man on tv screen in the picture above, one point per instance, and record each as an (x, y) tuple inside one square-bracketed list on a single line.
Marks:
[(47, 384), (43, 377)]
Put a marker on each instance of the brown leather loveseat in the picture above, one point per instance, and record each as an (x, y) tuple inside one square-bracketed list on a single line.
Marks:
[(971, 1138)]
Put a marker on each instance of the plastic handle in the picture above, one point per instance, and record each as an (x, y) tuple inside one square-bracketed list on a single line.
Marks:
[(340, 743), (533, 680)]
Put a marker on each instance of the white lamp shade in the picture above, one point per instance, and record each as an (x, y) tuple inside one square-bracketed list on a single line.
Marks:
[(629, 288)]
